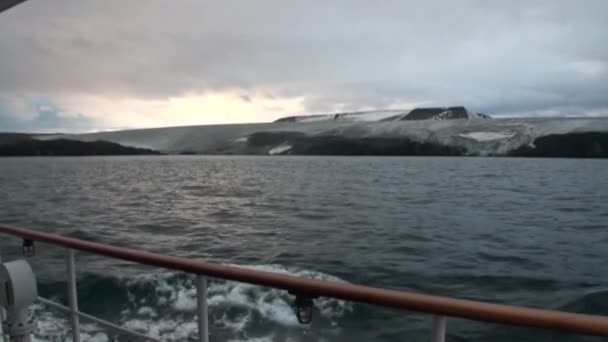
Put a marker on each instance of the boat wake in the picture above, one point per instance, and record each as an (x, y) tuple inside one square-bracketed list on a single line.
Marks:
[(163, 305)]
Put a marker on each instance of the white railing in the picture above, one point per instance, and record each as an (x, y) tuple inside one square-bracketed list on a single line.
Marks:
[(439, 307), (101, 322)]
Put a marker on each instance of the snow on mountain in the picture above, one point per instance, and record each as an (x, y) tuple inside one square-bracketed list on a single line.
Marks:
[(477, 137), (371, 115)]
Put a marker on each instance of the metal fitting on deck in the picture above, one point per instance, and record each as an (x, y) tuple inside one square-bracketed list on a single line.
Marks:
[(303, 307), (18, 290), (29, 250)]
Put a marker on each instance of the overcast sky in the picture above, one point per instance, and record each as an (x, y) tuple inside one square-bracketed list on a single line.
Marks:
[(82, 65)]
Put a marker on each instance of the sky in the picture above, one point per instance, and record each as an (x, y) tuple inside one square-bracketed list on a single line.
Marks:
[(91, 65)]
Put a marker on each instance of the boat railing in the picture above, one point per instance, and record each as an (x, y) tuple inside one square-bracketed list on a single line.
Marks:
[(439, 307)]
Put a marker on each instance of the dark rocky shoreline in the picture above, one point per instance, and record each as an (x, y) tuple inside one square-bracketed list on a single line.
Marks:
[(569, 145), (23, 145)]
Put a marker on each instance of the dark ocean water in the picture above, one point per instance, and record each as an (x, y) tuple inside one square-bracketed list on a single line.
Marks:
[(520, 231)]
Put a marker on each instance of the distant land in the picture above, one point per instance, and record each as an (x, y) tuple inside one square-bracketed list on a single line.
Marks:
[(435, 131), (14, 145)]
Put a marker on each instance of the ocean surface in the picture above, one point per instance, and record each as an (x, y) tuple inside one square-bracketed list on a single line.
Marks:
[(519, 231)]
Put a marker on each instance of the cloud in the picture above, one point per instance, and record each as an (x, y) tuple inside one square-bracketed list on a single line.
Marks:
[(39, 115), (187, 109), (133, 58), (591, 68)]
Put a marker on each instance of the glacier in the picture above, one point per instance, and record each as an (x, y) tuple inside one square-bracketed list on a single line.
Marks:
[(474, 136)]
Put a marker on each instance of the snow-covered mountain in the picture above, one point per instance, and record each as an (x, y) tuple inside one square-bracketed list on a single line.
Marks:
[(471, 136)]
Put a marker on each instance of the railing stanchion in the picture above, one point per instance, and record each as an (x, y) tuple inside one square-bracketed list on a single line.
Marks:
[(201, 305), (2, 337), (439, 326), (2, 317), (73, 296)]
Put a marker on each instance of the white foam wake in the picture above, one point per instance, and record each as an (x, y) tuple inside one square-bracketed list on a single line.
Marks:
[(163, 305)]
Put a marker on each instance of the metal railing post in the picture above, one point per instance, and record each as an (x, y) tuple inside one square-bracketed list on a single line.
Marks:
[(201, 305), (439, 326), (2, 318), (73, 296), (2, 337)]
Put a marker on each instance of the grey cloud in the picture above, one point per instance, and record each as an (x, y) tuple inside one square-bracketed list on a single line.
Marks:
[(493, 56), (40, 117)]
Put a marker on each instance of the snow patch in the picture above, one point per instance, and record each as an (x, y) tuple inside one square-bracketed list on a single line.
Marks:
[(363, 116), (279, 149), (370, 115), (487, 136)]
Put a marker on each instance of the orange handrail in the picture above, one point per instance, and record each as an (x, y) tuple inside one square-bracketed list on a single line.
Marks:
[(445, 306)]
